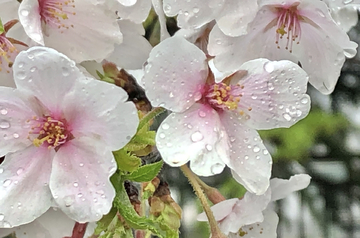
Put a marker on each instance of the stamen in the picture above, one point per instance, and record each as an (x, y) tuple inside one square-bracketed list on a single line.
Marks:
[(223, 96)]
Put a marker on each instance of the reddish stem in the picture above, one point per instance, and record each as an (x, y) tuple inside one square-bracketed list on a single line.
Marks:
[(78, 230)]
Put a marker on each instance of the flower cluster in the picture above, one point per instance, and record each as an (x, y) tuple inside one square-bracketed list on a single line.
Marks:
[(68, 105)]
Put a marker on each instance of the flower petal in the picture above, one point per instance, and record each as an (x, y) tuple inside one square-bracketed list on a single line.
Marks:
[(29, 16), (136, 13), (220, 210), (14, 113), (100, 112), (80, 181), (175, 74), (196, 135), (33, 70), (249, 159), (280, 188), (274, 93), (265, 229), (24, 190)]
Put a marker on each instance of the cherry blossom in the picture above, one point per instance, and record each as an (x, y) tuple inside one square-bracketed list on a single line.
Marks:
[(72, 27), (59, 128), (252, 215), (232, 16), (344, 12), (214, 124), (133, 10), (52, 224), (12, 40), (298, 30)]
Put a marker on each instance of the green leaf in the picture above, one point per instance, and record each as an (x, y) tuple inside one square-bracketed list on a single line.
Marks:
[(134, 146), (145, 121), (122, 203), (145, 173), (147, 138), (2, 30), (105, 221), (126, 161)]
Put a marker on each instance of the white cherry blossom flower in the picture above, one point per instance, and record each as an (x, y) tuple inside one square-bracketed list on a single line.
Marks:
[(344, 12), (58, 129), (232, 16), (52, 224), (297, 30), (214, 124), (253, 216), (133, 10), (81, 29)]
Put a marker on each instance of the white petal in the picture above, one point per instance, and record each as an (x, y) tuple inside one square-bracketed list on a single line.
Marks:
[(24, 185), (196, 135), (220, 210), (275, 91), (345, 17), (136, 13), (158, 7), (249, 160), (100, 112), (31, 20), (41, 70), (236, 15), (134, 50), (175, 74), (80, 181), (127, 2), (280, 188), (265, 229)]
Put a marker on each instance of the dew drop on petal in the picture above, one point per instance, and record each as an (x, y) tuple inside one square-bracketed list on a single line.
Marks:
[(80, 195), (19, 171), (269, 67), (24, 12), (81, 164), (287, 116), (256, 149), (265, 151), (20, 75), (246, 157), (208, 147), (16, 135), (7, 182), (217, 168), (304, 100), (3, 111), (75, 184), (65, 71), (4, 124), (165, 126), (33, 69), (69, 200), (2, 217), (1, 170), (162, 135), (232, 139), (197, 136), (202, 113), (6, 224)]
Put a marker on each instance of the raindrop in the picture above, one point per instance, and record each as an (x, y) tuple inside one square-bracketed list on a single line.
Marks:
[(162, 135), (208, 147), (171, 95), (189, 126), (202, 113), (1, 170), (2, 217), (320, 12), (304, 100), (269, 67), (69, 200), (21, 64), (347, 1), (24, 12), (196, 10), (3, 111), (95, 200), (246, 157), (197, 136), (287, 116), (197, 96), (270, 86), (217, 168), (265, 151), (6, 224), (65, 71), (257, 157), (80, 195), (20, 75), (4, 124), (81, 164), (33, 69), (167, 8), (256, 149), (16, 135), (75, 184), (232, 138), (165, 126), (19, 171), (7, 182)]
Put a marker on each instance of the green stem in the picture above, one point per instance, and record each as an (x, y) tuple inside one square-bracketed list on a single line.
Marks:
[(152, 114), (215, 231), (212, 193)]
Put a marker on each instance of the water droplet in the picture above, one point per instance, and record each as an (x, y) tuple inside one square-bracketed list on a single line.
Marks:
[(4, 124), (197, 136), (265, 151), (65, 71), (196, 10), (162, 135), (304, 100), (81, 164), (69, 200), (24, 12), (80, 195), (197, 96), (2, 217), (21, 65), (232, 139), (208, 147), (33, 69), (246, 157), (165, 126), (320, 12), (3, 111), (217, 168), (347, 1), (19, 171), (6, 224), (189, 126), (257, 157), (7, 182), (76, 184), (1, 170), (16, 135), (20, 75), (269, 67), (270, 86), (256, 149), (202, 113), (171, 95), (167, 8), (287, 116)]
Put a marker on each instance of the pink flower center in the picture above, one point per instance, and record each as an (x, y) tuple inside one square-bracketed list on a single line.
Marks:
[(288, 24), (225, 97), (50, 132), (55, 13)]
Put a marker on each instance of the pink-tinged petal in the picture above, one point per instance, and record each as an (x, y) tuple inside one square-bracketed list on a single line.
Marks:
[(136, 13), (274, 93), (14, 113), (134, 50), (33, 70), (265, 229), (195, 135), (319, 14), (100, 112), (79, 36), (193, 14), (280, 188), (220, 210), (29, 16), (175, 74), (235, 16), (24, 185), (80, 181), (249, 159)]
